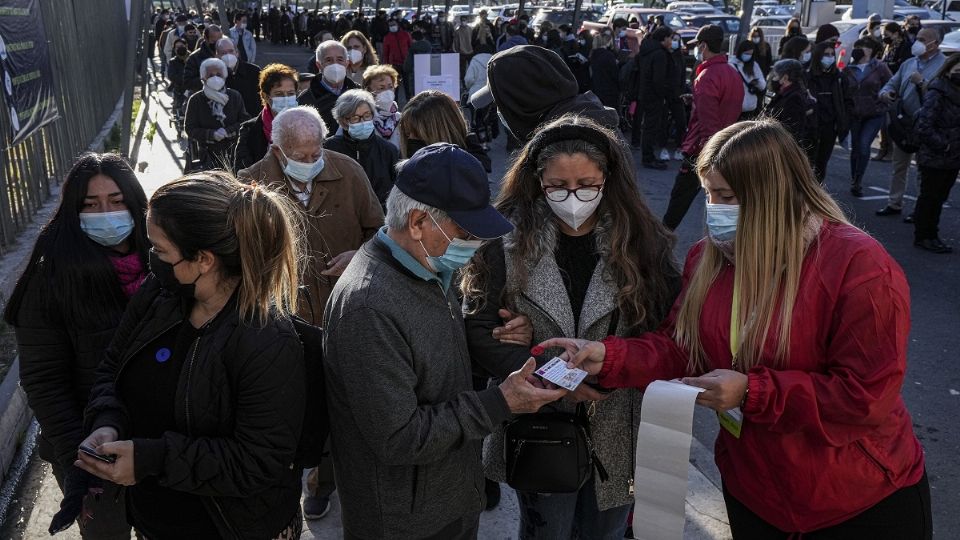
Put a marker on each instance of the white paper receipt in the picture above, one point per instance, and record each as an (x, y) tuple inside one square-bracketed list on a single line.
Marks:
[(557, 372), (662, 460)]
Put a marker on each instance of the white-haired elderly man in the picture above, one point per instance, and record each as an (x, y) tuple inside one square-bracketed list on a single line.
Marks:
[(340, 209), (406, 423), (332, 60), (243, 77), (214, 116)]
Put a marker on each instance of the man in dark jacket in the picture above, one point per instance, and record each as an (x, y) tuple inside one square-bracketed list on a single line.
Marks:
[(654, 70), (531, 85), (717, 102), (205, 49), (243, 77), (331, 60), (406, 424)]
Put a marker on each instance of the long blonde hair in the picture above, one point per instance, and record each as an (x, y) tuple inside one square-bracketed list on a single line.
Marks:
[(778, 197), (432, 116)]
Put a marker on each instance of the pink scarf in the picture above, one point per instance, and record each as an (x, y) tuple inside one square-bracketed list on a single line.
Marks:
[(130, 272), (267, 117)]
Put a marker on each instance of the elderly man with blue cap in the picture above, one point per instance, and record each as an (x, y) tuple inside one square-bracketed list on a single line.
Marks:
[(406, 424)]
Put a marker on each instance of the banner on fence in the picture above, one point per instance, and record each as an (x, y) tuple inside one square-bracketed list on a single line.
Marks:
[(25, 68)]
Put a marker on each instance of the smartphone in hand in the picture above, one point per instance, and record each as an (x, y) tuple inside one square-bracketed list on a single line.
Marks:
[(100, 457)]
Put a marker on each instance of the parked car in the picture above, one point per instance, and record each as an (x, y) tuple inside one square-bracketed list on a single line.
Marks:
[(672, 19), (945, 27), (693, 8), (561, 16), (770, 22), (729, 23), (953, 8), (772, 11), (951, 43)]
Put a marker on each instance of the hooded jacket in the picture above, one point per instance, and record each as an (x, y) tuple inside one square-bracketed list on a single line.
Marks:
[(532, 85), (654, 70), (717, 102)]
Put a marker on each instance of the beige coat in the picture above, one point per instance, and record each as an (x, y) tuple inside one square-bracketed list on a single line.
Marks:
[(342, 214)]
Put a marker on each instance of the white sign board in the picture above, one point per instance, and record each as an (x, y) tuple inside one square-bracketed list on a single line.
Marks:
[(437, 72)]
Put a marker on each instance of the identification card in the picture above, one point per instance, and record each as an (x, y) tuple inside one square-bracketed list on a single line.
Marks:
[(557, 372), (732, 421)]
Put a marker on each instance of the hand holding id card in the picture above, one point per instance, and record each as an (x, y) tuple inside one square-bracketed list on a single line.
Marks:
[(557, 372)]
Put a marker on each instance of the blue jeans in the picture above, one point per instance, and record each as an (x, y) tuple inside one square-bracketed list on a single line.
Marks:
[(862, 133), (561, 516)]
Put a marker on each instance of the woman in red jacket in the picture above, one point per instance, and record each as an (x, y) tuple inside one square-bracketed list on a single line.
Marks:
[(801, 320), (395, 46)]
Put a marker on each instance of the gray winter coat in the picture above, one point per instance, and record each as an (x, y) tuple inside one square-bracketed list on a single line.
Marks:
[(544, 300), (406, 425)]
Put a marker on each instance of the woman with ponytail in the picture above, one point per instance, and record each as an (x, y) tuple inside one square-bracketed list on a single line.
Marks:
[(200, 399)]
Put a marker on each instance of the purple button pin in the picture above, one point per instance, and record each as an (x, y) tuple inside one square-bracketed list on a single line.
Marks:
[(163, 355)]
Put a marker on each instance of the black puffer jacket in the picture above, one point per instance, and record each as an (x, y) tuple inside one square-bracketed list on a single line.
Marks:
[(377, 157), (239, 410), (796, 110), (829, 88), (938, 126), (57, 364), (252, 144), (655, 72)]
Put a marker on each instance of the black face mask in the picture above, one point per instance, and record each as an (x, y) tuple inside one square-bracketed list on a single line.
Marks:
[(887, 40), (181, 51), (168, 280), (857, 55), (775, 86), (913, 30), (413, 145), (955, 78)]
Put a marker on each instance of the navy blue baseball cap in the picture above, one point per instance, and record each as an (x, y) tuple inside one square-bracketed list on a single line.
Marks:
[(446, 177)]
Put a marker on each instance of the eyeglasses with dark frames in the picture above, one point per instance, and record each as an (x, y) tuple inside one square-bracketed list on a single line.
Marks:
[(582, 193)]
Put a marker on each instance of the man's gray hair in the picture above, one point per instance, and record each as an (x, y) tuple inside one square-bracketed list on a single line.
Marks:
[(399, 206), (296, 124), (321, 48), (212, 62), (222, 45), (348, 102)]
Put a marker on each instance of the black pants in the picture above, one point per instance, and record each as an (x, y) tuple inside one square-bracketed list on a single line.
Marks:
[(903, 515), (678, 121), (823, 149), (685, 189), (935, 187), (647, 127)]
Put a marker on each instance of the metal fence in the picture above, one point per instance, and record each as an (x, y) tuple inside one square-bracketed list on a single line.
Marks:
[(87, 43)]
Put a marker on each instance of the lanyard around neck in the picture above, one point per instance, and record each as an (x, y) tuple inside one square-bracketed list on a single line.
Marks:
[(735, 322)]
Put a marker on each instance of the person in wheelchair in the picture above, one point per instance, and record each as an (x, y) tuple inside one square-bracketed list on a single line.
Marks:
[(213, 119)]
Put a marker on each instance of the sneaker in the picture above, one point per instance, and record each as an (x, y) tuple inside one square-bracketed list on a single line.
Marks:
[(315, 507), (678, 156), (856, 191), (909, 218), (664, 155), (889, 211)]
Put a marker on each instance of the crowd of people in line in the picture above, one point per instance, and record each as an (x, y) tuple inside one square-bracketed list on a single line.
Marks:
[(176, 341)]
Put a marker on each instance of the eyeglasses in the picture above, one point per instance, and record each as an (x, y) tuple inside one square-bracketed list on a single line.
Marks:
[(583, 193), (356, 119)]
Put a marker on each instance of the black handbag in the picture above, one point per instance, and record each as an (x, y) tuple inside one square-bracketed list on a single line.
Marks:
[(550, 452), (901, 127)]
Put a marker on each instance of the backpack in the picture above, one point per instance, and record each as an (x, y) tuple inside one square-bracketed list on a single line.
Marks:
[(316, 422)]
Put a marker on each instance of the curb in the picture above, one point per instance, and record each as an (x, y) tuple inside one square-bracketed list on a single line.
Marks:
[(15, 416)]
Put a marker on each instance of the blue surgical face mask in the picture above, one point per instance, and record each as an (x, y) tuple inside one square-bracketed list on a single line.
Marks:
[(746, 57), (805, 58), (360, 131), (281, 103), (827, 61), (107, 228), (303, 172), (675, 44), (722, 222), (457, 255), (698, 54)]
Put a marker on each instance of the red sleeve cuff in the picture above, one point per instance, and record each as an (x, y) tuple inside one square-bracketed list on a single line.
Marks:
[(616, 351), (757, 388)]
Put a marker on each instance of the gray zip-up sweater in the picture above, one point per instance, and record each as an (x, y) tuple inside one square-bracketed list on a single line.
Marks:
[(406, 426)]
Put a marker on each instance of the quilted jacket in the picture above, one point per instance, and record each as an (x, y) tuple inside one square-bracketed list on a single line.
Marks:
[(238, 407), (938, 126)]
